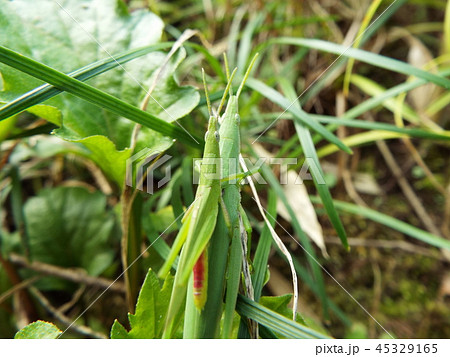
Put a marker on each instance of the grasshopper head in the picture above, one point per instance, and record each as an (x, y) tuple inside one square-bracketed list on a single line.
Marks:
[(212, 135)]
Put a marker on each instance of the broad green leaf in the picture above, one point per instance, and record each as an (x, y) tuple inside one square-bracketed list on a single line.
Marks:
[(151, 309), (104, 153), (118, 331), (56, 35), (70, 227), (45, 148), (156, 223), (47, 112), (48, 34), (6, 126), (172, 101), (160, 220), (39, 330)]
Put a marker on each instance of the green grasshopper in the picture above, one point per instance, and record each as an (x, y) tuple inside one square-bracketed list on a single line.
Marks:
[(200, 219), (198, 225)]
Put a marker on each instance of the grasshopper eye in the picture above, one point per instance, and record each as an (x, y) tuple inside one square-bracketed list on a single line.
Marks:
[(216, 134), (206, 134), (238, 119)]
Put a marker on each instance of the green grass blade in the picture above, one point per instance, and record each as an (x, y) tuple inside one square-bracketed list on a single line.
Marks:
[(363, 138), (364, 24), (319, 182), (263, 248), (367, 57), (361, 124), (304, 240), (188, 193), (389, 93), (447, 28), (439, 104), (279, 99), (233, 280), (305, 277), (370, 31), (317, 86), (47, 91), (276, 322), (134, 249), (245, 45), (316, 171), (233, 35), (334, 122), (17, 206), (373, 89), (95, 96), (390, 222), (175, 197)]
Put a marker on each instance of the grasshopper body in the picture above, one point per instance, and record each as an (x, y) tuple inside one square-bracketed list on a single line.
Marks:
[(198, 226), (200, 221)]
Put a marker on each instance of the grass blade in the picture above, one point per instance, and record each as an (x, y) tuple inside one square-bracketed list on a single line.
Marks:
[(362, 124), (263, 248), (47, 91), (316, 171), (373, 89), (95, 96), (277, 98), (391, 92), (390, 222), (360, 139), (317, 86), (305, 242), (365, 22), (245, 44), (367, 57), (276, 322)]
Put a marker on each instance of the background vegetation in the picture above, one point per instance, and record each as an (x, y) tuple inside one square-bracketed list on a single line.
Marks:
[(63, 160)]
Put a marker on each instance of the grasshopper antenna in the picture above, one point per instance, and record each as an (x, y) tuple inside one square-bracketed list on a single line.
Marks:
[(247, 73), (208, 102), (228, 87), (227, 71)]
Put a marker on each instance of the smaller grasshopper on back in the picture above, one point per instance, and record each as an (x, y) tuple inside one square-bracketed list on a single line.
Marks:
[(230, 148)]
